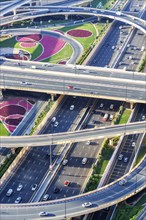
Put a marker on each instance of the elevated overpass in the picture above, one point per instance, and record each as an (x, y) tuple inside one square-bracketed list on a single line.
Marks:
[(87, 82), (43, 11), (69, 207), (101, 198), (73, 136)]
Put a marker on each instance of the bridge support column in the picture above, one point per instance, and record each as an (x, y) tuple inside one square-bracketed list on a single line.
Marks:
[(13, 150), (1, 94), (14, 12), (66, 17), (30, 3), (52, 97), (131, 105)]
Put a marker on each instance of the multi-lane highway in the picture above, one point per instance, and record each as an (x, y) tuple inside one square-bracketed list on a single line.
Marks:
[(72, 206), (66, 202)]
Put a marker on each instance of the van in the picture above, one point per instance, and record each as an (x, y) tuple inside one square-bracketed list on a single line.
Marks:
[(111, 106), (105, 117), (84, 160), (9, 192)]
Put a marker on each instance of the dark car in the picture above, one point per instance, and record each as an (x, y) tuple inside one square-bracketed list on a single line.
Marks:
[(56, 190)]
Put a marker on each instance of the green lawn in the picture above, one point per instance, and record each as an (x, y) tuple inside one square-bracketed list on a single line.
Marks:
[(125, 212), (105, 3), (3, 130), (125, 116)]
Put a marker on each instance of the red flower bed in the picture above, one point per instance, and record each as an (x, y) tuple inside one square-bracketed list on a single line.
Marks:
[(27, 44), (29, 38), (12, 109), (13, 121), (79, 33)]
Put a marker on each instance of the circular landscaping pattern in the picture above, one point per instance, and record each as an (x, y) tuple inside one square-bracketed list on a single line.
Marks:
[(28, 41), (12, 109), (29, 38), (79, 33), (13, 121)]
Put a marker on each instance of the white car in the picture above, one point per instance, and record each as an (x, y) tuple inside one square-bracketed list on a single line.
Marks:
[(56, 124), (101, 105), (20, 186), (120, 157), (86, 204), (18, 200), (143, 117), (45, 197), (33, 187), (133, 144), (72, 107), (53, 119), (88, 142), (64, 162), (122, 182), (43, 214), (125, 159)]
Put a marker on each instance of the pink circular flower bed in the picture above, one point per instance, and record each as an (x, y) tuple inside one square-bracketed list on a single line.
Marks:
[(29, 38), (12, 109), (28, 44), (79, 33)]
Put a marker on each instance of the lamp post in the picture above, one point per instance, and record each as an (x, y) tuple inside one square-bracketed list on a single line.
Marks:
[(50, 167), (65, 206)]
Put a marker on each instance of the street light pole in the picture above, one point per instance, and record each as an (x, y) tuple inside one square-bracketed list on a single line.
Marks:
[(65, 207), (51, 151)]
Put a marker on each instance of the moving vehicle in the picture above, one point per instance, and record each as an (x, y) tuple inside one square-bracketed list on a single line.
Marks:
[(56, 124), (45, 197), (42, 214), (72, 107), (53, 119), (18, 200), (20, 186), (33, 187), (64, 162), (122, 182), (87, 204), (9, 192), (120, 157)]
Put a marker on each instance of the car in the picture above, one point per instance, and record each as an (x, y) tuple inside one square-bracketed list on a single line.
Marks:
[(64, 162), (20, 186), (53, 119), (133, 144), (70, 87), (33, 187), (111, 106), (18, 200), (56, 190), (45, 197), (128, 45), (56, 124), (86, 204), (88, 142), (111, 117), (120, 157), (84, 160), (125, 159), (122, 182), (72, 107), (9, 192), (66, 183), (143, 117), (101, 105), (42, 214)]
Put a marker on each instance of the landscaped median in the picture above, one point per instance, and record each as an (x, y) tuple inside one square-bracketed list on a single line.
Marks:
[(106, 151)]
